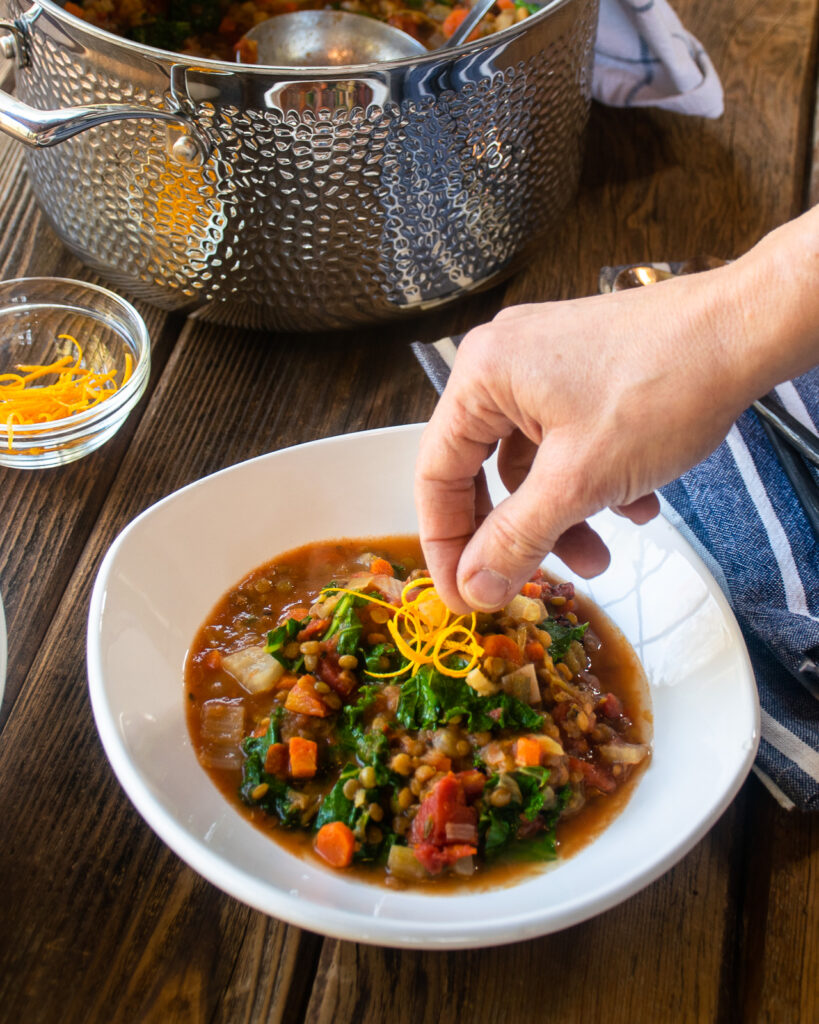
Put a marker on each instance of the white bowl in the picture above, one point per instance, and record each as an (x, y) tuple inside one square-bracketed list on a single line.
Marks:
[(155, 588)]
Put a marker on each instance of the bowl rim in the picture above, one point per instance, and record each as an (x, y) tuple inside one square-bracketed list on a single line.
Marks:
[(67, 427)]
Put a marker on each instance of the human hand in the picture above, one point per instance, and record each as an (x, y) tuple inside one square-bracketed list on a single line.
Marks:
[(595, 403)]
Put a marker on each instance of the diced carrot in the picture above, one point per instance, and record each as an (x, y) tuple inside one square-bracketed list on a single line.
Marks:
[(303, 757), (275, 762), (453, 20), (534, 650), (261, 728), (213, 659), (381, 567), (527, 752), (74, 9), (497, 645), (318, 627), (304, 700), (287, 681), (335, 842), (505, 5), (530, 590)]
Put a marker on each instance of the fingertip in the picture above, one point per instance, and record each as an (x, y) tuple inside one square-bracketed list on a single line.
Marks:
[(583, 551), (641, 511)]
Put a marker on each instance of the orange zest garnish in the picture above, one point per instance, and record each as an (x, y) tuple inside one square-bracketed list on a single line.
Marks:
[(26, 401), (425, 631)]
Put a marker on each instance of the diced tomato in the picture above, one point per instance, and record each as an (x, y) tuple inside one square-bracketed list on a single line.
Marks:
[(593, 775), (331, 673), (304, 700), (610, 706), (436, 858), (473, 782), (446, 803), (560, 710), (530, 589), (303, 757), (498, 645), (316, 628), (275, 762)]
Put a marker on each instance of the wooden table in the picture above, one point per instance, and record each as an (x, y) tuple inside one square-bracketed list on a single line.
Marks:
[(99, 921)]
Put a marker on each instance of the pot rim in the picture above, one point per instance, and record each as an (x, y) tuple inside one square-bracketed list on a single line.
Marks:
[(210, 64)]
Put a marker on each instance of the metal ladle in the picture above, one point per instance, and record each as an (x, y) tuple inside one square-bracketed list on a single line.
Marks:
[(325, 38)]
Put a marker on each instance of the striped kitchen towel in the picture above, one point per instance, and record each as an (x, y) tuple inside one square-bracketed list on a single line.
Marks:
[(740, 513), (644, 57)]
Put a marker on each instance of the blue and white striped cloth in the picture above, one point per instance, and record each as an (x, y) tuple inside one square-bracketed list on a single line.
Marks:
[(644, 57), (739, 511)]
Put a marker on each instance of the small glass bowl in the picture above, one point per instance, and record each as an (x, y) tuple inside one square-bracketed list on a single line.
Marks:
[(34, 312)]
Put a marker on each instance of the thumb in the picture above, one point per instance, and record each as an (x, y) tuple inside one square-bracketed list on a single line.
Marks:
[(542, 515)]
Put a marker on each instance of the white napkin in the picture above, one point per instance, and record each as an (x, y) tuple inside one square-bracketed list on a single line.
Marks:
[(645, 58)]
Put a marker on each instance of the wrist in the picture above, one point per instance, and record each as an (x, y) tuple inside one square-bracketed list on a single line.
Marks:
[(776, 287)]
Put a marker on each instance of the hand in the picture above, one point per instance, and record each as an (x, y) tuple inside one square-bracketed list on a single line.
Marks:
[(595, 403)]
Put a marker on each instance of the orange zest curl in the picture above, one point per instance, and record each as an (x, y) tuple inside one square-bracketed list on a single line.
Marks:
[(425, 631), (26, 401)]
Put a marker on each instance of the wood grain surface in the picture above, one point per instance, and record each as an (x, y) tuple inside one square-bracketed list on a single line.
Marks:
[(99, 921)]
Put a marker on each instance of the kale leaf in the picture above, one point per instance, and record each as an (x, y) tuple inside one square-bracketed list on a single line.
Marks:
[(562, 636), (279, 638), (429, 699), (335, 806), (276, 798)]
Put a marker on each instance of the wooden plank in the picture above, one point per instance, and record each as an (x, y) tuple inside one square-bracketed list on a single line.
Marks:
[(48, 513), (88, 893)]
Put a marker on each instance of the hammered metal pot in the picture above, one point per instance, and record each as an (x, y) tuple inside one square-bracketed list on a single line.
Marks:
[(298, 199)]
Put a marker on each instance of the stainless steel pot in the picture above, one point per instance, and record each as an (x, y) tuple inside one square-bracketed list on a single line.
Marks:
[(277, 198)]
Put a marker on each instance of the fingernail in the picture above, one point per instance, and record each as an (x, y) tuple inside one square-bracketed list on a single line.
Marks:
[(486, 590)]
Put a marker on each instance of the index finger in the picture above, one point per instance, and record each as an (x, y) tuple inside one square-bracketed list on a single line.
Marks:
[(450, 493)]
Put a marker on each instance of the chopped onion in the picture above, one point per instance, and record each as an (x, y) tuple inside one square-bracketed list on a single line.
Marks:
[(522, 683), (526, 609), (389, 586), (402, 863), (623, 753), (463, 866), (223, 726), (461, 832), (254, 669), (480, 684)]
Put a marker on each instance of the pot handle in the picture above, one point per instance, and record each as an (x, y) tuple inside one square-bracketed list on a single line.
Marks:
[(41, 128)]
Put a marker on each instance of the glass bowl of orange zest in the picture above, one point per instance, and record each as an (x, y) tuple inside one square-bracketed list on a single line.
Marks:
[(74, 361)]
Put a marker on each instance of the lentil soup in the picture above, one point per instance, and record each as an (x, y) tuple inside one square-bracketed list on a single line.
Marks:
[(216, 28), (334, 699)]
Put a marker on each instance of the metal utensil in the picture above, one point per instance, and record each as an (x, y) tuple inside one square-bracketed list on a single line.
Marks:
[(326, 38)]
